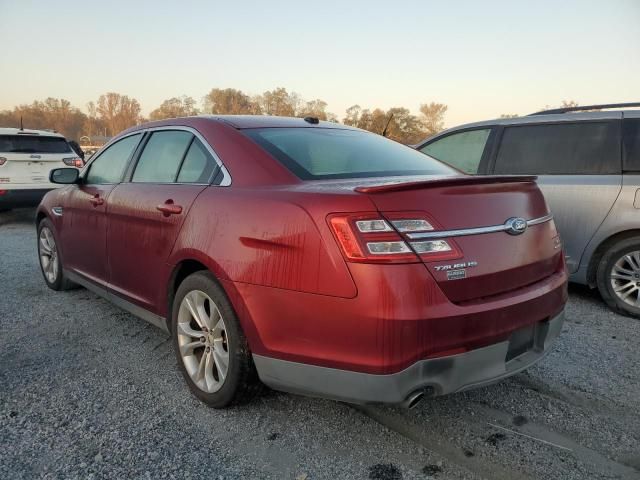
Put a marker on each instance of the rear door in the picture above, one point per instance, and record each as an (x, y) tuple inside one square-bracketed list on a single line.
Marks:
[(467, 150), (579, 170), (84, 230), (147, 212), (28, 158)]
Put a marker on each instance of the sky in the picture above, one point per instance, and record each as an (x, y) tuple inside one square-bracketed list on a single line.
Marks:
[(481, 58)]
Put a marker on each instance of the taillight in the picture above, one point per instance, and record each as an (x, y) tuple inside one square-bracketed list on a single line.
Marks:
[(2, 161), (73, 162), (369, 238), (435, 250), (375, 238)]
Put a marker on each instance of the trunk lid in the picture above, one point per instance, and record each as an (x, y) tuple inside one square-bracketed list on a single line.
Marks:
[(472, 212)]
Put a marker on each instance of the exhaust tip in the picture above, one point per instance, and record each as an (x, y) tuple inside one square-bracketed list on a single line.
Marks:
[(413, 399)]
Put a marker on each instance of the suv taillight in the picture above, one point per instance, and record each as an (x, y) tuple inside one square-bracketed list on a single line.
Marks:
[(374, 238), (73, 162), (2, 161)]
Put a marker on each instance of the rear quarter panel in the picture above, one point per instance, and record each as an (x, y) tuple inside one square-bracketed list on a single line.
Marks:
[(264, 236)]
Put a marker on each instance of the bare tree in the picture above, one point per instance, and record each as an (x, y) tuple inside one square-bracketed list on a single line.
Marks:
[(279, 102), (118, 112), (352, 117), (52, 113), (229, 101), (315, 108), (433, 119), (175, 107)]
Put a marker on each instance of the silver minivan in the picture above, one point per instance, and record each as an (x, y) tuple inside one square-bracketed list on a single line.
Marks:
[(588, 166)]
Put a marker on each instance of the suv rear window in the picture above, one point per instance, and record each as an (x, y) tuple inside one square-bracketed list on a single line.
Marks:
[(317, 153), (33, 144), (555, 149)]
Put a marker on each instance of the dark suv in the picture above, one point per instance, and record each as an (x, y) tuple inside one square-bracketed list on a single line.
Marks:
[(588, 167)]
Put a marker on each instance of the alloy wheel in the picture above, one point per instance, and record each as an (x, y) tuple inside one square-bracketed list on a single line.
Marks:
[(625, 278), (202, 340), (48, 254)]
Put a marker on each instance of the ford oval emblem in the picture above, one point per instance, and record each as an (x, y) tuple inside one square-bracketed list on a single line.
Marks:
[(515, 226)]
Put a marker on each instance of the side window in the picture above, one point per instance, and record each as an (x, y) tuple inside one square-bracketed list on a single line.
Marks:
[(462, 150), (110, 165), (198, 165), (162, 156), (556, 149), (631, 144)]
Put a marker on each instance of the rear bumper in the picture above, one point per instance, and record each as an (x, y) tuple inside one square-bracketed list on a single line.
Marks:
[(436, 376), (22, 197)]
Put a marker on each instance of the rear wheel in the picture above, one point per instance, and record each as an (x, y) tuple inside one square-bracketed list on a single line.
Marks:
[(212, 351), (618, 277), (49, 256)]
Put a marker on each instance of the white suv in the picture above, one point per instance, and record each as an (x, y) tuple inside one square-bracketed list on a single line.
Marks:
[(26, 158)]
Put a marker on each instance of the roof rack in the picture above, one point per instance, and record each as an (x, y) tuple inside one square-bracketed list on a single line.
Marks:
[(586, 107)]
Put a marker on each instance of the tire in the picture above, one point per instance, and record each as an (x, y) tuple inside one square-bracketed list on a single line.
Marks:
[(622, 291), (49, 258), (199, 304)]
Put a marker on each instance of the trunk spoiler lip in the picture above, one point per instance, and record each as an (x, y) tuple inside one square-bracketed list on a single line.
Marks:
[(445, 182)]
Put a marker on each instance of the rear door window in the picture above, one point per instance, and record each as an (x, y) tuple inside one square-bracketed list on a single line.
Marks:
[(631, 144), (162, 156), (462, 150), (109, 166), (33, 144), (198, 165), (556, 149)]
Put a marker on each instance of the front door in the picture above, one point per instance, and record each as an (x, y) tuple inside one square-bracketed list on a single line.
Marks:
[(579, 171), (146, 213), (85, 211)]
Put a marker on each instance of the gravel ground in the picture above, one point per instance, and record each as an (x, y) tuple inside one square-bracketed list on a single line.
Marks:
[(92, 392)]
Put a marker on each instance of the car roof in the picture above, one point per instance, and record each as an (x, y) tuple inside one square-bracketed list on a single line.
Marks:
[(271, 121), (18, 131)]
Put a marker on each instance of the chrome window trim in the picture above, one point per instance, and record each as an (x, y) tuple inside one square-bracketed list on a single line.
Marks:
[(226, 177), (474, 231), (96, 156)]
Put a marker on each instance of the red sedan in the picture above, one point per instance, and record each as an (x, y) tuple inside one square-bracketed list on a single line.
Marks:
[(311, 257)]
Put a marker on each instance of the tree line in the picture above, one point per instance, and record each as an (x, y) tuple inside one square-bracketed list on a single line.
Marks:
[(114, 112)]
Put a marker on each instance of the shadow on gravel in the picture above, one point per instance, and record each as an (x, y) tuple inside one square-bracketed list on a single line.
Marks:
[(17, 217), (584, 292)]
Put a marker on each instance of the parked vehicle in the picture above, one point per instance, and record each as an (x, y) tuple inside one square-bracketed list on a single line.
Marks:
[(317, 258), (588, 167), (26, 158)]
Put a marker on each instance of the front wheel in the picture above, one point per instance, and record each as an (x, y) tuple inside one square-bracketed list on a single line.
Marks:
[(618, 277), (212, 351)]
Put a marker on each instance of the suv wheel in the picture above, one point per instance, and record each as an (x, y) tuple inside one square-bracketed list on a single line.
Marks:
[(618, 277), (212, 351), (49, 256)]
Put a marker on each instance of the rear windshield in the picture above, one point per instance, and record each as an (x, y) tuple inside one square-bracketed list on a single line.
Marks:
[(317, 153), (33, 144)]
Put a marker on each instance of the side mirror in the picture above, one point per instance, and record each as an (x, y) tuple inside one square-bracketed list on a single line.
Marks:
[(65, 176)]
